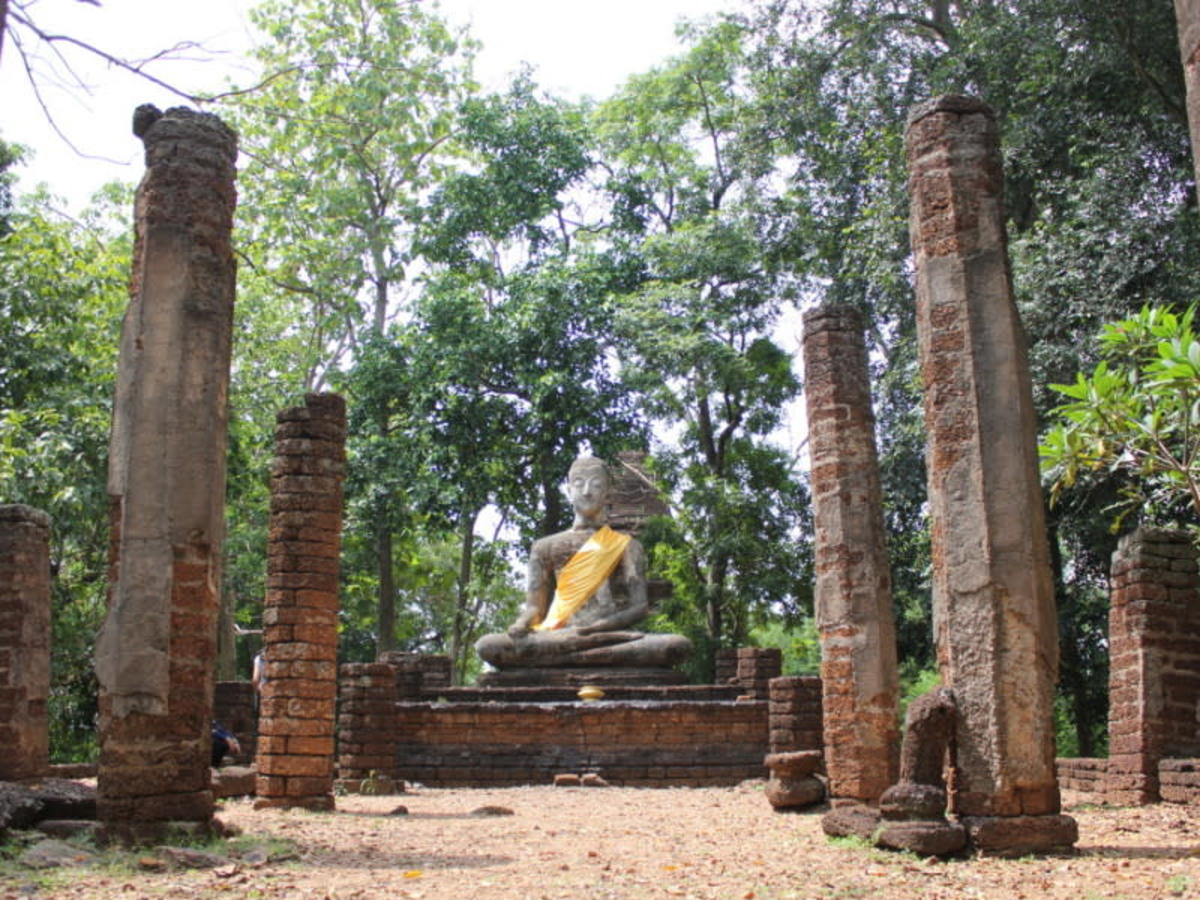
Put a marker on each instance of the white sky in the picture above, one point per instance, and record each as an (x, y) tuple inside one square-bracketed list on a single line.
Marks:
[(576, 47)]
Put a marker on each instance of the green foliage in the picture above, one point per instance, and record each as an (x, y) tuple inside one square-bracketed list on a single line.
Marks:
[(801, 644), (1138, 415), (343, 140), (62, 289), (689, 181)]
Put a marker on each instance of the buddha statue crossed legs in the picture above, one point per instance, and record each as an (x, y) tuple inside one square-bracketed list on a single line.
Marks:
[(586, 588)]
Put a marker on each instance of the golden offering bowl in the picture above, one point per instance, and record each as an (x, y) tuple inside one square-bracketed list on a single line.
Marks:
[(590, 692)]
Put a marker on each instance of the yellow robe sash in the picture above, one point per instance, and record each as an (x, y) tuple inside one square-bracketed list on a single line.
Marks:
[(584, 572)]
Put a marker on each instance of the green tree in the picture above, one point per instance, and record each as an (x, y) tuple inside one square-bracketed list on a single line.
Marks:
[(1089, 100), (690, 175), (344, 139), (502, 368), (62, 291), (1137, 414)]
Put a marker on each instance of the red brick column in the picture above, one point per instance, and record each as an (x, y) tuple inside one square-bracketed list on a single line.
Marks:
[(794, 713), (296, 711), (1154, 660), (155, 653), (366, 721), (854, 585), (24, 641), (996, 629)]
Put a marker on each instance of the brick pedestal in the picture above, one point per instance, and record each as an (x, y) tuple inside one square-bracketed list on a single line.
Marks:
[(155, 654), (1154, 668), (795, 713), (367, 720), (296, 712), (997, 635), (756, 666), (725, 665), (24, 641), (854, 586)]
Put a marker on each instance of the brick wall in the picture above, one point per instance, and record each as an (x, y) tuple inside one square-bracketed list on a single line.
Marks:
[(24, 641), (724, 665), (366, 722), (1179, 780), (1154, 671), (628, 742), (1086, 774)]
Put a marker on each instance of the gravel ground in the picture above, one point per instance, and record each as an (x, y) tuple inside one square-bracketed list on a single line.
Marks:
[(635, 843)]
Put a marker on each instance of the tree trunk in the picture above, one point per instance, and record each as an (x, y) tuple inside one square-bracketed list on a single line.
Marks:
[(3, 23), (460, 625), (552, 501), (1084, 734), (387, 591), (226, 669)]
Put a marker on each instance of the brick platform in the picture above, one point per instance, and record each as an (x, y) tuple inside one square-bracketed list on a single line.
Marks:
[(648, 743)]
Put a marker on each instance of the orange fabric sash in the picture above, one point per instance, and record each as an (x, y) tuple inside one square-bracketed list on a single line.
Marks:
[(583, 574)]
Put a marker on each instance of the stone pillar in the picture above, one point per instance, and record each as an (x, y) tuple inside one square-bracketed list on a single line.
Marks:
[(1187, 18), (756, 666), (156, 650), (366, 722), (1154, 660), (993, 596), (296, 709), (24, 642), (860, 684), (794, 713)]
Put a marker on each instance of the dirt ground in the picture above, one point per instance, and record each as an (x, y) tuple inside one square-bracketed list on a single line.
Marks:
[(612, 842)]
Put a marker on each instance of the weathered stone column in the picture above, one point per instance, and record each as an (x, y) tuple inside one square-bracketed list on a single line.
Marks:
[(993, 596), (24, 641), (155, 654), (1154, 660), (296, 712), (1187, 18), (860, 684)]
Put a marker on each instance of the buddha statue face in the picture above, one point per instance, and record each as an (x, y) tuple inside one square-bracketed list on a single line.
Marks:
[(588, 486)]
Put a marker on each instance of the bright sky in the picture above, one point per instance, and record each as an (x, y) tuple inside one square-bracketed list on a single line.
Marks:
[(576, 47)]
